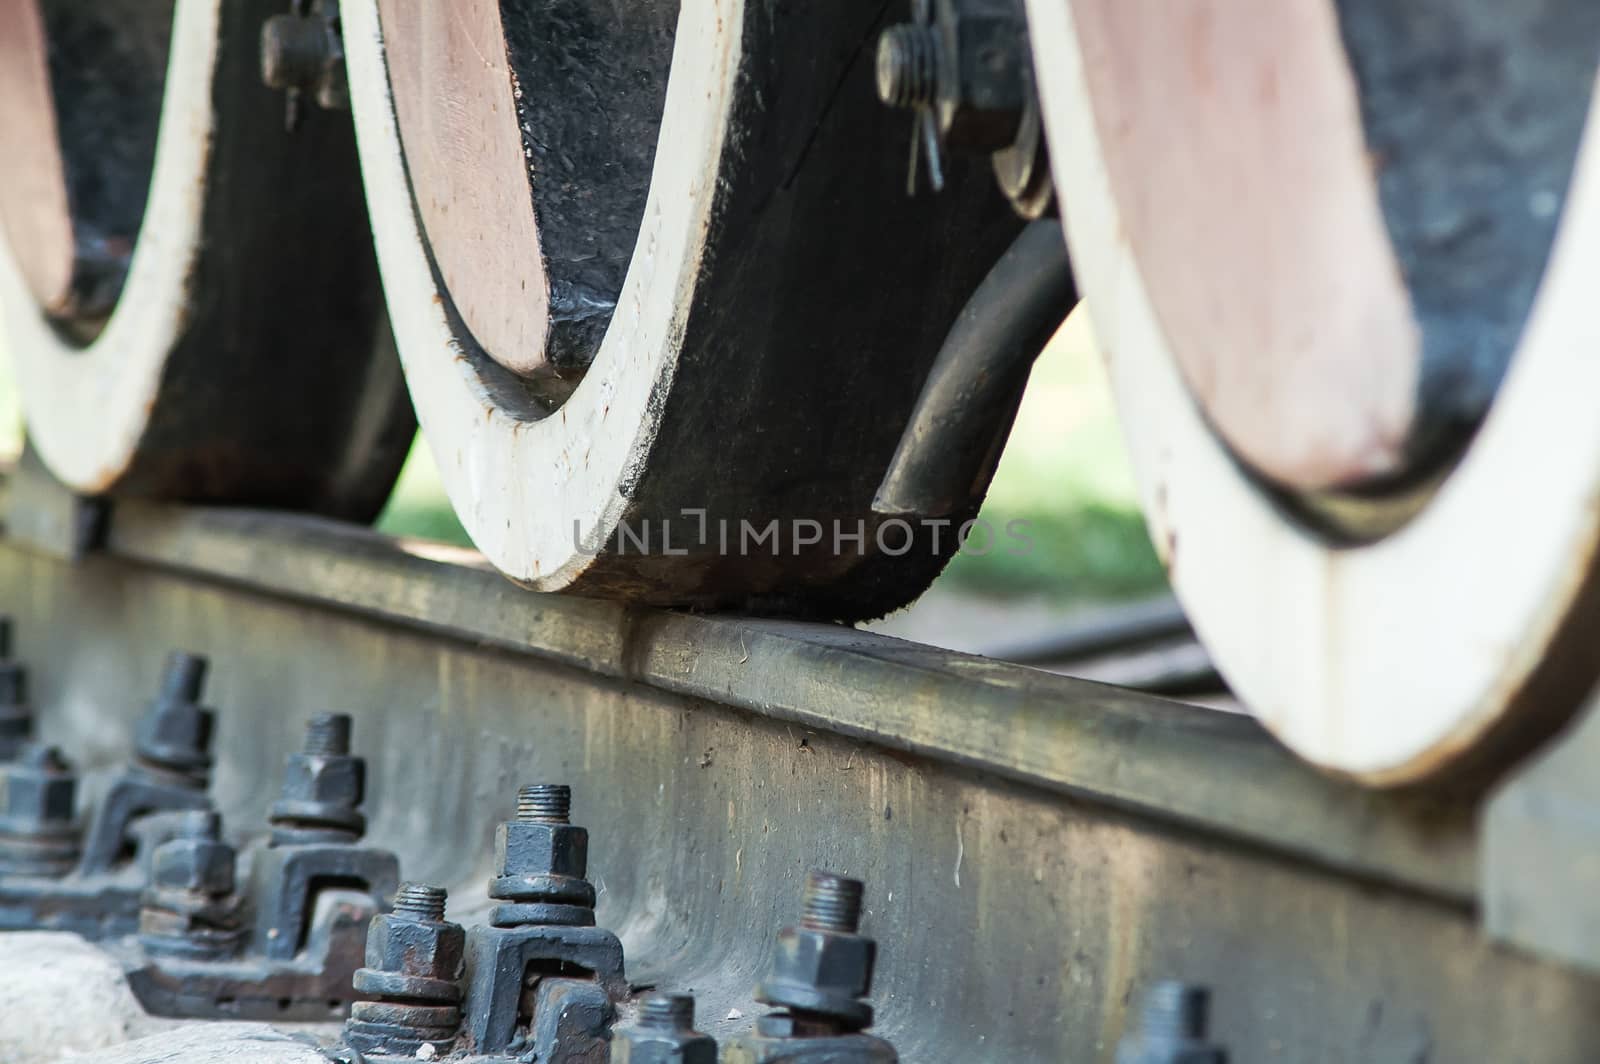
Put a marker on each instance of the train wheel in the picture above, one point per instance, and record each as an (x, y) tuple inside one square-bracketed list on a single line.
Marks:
[(187, 288), (682, 297), (1339, 257)]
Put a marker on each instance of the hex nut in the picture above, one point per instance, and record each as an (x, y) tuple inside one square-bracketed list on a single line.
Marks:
[(663, 1047), (824, 960), (398, 943), (523, 847), (335, 781), (176, 728), (205, 866), (981, 97), (38, 790), (774, 1047)]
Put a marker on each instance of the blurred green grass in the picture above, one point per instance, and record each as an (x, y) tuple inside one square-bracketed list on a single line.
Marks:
[(417, 506), (1065, 471)]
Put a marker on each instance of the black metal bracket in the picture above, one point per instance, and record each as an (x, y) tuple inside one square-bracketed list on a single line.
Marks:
[(498, 962), (168, 774), (313, 984), (313, 891)]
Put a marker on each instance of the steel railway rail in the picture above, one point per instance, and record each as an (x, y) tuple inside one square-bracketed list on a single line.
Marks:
[(1037, 850)]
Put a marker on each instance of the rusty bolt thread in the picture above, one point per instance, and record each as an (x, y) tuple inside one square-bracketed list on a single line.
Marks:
[(908, 65), (832, 903), (667, 1012), (546, 803), (328, 735), (183, 677), (1175, 1011), (421, 901)]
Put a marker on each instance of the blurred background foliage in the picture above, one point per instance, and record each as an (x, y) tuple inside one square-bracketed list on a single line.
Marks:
[(1064, 471)]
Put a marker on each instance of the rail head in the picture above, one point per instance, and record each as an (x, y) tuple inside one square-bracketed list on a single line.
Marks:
[(1216, 775)]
